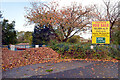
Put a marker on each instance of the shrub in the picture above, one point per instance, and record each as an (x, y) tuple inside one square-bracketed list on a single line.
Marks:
[(114, 52), (74, 50), (60, 47), (107, 51), (74, 39), (53, 42), (68, 50), (49, 70)]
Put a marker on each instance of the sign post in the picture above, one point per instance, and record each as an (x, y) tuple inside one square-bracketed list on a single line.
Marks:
[(36, 46), (100, 32)]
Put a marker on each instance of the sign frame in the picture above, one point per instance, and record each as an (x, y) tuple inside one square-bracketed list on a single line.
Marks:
[(100, 32)]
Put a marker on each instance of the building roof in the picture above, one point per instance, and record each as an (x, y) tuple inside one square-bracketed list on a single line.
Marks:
[(23, 44)]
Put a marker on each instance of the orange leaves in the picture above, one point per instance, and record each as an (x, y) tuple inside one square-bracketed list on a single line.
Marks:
[(29, 56), (81, 73), (70, 16), (92, 69), (43, 19), (58, 18), (51, 9)]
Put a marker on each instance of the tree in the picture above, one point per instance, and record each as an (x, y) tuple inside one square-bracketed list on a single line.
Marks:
[(27, 36), (24, 37), (20, 36), (116, 35), (41, 35), (64, 23), (8, 33), (0, 29), (0, 14), (109, 13), (30, 40)]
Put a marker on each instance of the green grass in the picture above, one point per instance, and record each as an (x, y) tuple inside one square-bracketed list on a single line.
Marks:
[(49, 70)]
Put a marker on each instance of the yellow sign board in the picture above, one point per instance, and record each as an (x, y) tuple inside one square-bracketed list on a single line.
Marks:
[(100, 32)]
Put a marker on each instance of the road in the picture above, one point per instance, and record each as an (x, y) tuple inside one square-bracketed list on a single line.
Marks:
[(73, 69)]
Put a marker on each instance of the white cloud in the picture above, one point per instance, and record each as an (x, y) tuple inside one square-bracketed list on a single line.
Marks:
[(24, 0), (25, 28), (83, 2)]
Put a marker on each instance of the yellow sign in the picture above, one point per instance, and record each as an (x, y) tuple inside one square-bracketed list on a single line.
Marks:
[(100, 32)]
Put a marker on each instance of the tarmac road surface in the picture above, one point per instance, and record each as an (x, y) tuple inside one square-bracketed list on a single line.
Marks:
[(73, 69)]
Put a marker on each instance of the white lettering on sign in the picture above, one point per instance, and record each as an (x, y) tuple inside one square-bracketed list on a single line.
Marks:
[(100, 38)]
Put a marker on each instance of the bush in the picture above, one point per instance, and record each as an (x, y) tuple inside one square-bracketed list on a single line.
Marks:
[(71, 50), (115, 36), (83, 51), (114, 52), (107, 52), (53, 42), (60, 47), (74, 39)]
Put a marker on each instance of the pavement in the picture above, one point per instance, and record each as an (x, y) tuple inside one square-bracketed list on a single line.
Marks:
[(73, 69)]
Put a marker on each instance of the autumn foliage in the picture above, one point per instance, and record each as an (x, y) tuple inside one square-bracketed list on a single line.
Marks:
[(64, 22)]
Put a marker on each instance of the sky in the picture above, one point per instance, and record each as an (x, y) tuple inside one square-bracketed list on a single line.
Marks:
[(13, 10)]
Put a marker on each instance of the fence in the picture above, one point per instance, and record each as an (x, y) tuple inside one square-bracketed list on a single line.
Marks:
[(95, 47), (21, 47)]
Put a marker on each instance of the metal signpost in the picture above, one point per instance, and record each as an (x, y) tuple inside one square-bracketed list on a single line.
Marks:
[(36, 46)]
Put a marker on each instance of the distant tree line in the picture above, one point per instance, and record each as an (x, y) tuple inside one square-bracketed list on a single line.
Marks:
[(24, 37)]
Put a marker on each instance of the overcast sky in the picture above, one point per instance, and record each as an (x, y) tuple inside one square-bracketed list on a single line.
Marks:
[(13, 10)]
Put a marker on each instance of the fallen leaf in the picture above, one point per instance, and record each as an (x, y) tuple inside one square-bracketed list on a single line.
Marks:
[(36, 69), (93, 69), (81, 73)]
